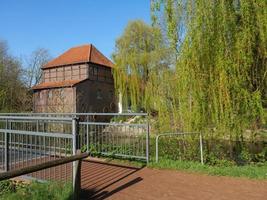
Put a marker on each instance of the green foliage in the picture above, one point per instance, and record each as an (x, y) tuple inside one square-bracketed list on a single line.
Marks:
[(216, 83), (216, 152), (36, 191), (6, 187), (139, 53), (14, 96)]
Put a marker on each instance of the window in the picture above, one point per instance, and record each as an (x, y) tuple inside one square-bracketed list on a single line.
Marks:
[(112, 107), (99, 94), (105, 110)]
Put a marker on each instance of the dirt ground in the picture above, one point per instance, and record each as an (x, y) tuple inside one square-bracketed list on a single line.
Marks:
[(106, 181)]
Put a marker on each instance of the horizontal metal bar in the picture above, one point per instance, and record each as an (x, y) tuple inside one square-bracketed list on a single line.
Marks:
[(112, 124), (31, 133), (13, 147), (38, 167), (80, 114), (179, 133), (124, 155), (34, 121), (37, 118)]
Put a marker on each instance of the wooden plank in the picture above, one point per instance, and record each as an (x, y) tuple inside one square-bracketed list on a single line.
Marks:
[(38, 167)]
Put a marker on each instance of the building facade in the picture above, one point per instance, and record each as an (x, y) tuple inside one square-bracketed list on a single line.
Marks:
[(80, 80)]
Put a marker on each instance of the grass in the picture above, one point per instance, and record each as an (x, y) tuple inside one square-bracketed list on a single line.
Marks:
[(35, 191), (252, 171)]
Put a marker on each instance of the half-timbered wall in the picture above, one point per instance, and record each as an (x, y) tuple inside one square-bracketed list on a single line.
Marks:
[(71, 72), (96, 94), (100, 73)]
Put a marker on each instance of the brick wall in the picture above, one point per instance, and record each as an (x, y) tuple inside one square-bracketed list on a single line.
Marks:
[(96, 94), (60, 100)]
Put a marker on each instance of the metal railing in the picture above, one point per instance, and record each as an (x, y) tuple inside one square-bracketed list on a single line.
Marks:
[(115, 139), (26, 141), (180, 134), (111, 134)]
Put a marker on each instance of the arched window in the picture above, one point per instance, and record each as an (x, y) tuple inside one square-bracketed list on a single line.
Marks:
[(105, 110)]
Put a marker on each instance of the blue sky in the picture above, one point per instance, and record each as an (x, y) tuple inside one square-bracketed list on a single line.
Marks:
[(60, 24)]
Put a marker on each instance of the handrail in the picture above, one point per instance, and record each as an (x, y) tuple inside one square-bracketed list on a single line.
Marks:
[(34, 133), (14, 117), (112, 124), (180, 133), (80, 114), (38, 167)]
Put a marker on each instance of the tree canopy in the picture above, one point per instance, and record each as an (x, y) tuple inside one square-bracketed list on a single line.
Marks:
[(16, 80), (140, 53), (218, 78)]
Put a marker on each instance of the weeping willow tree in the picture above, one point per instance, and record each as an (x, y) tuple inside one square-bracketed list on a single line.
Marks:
[(217, 76), (140, 54), (220, 75)]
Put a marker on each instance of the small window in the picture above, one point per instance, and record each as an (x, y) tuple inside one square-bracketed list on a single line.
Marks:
[(112, 107), (98, 94), (105, 110)]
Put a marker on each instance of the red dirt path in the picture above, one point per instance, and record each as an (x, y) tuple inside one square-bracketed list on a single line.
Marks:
[(105, 181)]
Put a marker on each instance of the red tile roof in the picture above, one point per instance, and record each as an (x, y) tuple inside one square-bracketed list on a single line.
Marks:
[(80, 54), (57, 84)]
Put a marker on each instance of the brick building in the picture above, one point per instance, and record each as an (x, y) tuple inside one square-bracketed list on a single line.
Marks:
[(79, 80)]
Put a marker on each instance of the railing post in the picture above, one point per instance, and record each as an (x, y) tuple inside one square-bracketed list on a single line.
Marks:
[(7, 147), (87, 135), (147, 143), (157, 148), (76, 169), (201, 148), (37, 125)]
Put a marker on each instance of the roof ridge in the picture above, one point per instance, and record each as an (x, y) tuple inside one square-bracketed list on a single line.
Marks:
[(102, 55), (80, 54), (90, 53)]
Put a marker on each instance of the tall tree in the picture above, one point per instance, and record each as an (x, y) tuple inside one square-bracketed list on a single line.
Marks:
[(13, 93), (218, 78), (140, 53), (221, 67), (34, 63)]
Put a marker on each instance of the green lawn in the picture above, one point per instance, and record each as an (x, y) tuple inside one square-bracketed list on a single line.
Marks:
[(257, 171), (251, 171)]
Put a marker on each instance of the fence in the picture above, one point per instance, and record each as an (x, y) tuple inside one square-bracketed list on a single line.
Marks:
[(182, 141), (111, 134), (26, 141)]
